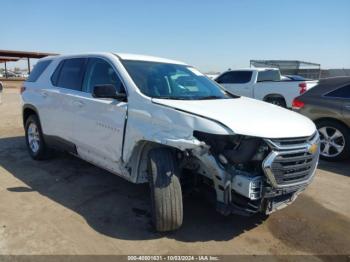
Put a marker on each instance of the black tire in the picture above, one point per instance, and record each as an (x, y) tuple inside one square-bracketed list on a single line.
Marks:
[(345, 153), (278, 101), (165, 187), (42, 152)]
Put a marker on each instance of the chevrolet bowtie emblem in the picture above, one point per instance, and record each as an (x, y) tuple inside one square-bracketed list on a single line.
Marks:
[(313, 148)]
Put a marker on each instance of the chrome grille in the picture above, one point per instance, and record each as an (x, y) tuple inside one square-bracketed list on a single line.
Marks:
[(299, 141), (290, 161)]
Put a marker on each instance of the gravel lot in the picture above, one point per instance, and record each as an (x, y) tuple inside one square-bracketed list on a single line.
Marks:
[(67, 206)]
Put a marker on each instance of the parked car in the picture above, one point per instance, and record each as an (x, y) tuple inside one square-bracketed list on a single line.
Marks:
[(265, 84), (162, 122), (328, 105)]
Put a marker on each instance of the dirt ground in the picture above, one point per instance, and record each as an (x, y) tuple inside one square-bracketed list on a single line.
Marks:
[(67, 206)]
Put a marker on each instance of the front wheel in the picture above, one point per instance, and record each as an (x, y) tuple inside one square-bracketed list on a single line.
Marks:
[(335, 140), (165, 187)]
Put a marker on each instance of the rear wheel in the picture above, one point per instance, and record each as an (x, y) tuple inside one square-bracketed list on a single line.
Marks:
[(278, 101), (335, 140), (34, 138), (165, 187)]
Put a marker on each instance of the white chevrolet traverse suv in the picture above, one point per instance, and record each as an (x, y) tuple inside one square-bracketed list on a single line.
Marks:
[(162, 122)]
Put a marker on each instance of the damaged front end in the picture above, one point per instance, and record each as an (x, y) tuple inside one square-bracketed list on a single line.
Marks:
[(251, 175)]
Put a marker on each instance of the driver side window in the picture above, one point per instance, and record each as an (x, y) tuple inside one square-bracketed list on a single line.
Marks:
[(100, 72)]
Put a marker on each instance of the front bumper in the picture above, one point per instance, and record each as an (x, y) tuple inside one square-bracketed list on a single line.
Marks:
[(289, 169), (271, 201)]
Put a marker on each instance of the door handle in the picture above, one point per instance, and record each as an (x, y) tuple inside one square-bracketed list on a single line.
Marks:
[(44, 94), (78, 103), (347, 106)]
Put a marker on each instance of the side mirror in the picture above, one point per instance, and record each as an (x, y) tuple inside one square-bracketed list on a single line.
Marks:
[(107, 91), (218, 80)]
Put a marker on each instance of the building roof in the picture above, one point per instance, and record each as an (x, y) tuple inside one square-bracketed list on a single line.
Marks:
[(8, 59), (285, 62), (23, 54)]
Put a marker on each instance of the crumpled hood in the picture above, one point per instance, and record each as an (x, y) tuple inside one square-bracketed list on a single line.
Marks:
[(247, 116)]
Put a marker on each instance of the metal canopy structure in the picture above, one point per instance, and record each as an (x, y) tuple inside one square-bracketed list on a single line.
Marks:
[(291, 67), (6, 59), (13, 56)]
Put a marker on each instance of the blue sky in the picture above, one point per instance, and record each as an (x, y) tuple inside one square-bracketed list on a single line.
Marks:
[(212, 35)]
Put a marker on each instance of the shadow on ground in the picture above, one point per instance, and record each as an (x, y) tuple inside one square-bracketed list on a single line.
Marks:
[(109, 204), (340, 168)]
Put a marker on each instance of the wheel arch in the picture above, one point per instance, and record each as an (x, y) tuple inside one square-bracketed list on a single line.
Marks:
[(345, 153), (273, 95), (330, 119), (28, 110), (137, 164)]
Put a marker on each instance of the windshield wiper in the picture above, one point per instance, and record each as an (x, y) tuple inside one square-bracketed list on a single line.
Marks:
[(171, 97), (210, 97)]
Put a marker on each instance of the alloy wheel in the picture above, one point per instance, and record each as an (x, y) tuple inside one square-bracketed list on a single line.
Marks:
[(33, 137), (332, 141)]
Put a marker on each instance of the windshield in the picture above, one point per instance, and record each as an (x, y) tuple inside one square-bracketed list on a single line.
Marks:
[(172, 81)]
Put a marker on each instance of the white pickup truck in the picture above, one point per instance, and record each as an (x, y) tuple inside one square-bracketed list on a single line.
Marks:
[(265, 84)]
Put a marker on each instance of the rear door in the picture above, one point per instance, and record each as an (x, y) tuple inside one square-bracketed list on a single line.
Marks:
[(67, 79), (237, 82), (99, 122), (346, 106), (37, 89)]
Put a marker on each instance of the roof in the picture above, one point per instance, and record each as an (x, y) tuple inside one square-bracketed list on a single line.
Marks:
[(252, 69), (124, 56), (328, 84), (136, 57), (257, 69), (335, 80), (24, 54)]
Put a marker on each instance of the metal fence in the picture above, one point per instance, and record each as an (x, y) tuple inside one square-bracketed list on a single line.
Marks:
[(291, 67)]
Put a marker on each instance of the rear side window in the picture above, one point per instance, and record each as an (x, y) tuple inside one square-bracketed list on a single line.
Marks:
[(343, 92), (69, 74), (236, 77), (56, 74), (269, 75), (38, 70)]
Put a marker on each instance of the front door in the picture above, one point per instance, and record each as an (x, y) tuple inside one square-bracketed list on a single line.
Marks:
[(99, 123)]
